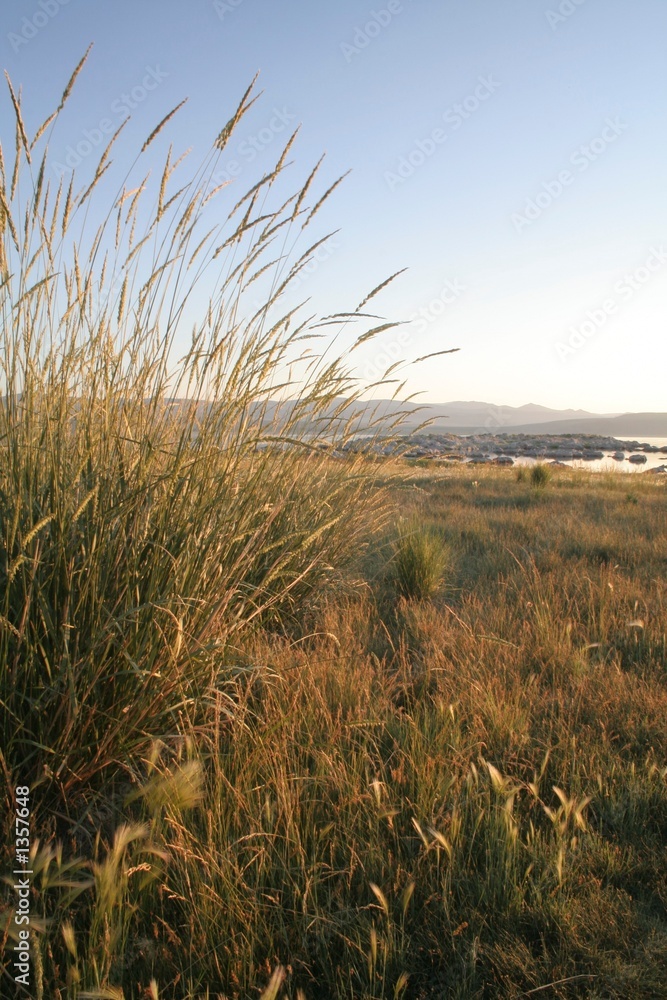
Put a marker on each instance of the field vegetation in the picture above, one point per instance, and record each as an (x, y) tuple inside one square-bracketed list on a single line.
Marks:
[(298, 726)]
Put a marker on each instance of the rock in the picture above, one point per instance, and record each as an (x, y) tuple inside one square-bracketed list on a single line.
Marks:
[(637, 459), (619, 456)]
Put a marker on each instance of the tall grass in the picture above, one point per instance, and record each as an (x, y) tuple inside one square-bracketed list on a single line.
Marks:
[(462, 800), (155, 498), (418, 563)]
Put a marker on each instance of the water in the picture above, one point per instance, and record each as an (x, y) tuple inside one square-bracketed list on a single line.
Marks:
[(608, 463)]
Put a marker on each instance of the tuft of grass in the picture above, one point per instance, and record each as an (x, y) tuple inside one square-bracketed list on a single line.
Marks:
[(540, 475), (419, 561)]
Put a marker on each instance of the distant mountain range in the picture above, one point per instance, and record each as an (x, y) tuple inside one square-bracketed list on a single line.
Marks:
[(477, 415), (635, 425), (464, 417), (473, 417)]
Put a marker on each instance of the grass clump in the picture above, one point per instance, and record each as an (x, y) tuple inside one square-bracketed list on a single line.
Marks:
[(419, 561), (540, 475), (161, 484)]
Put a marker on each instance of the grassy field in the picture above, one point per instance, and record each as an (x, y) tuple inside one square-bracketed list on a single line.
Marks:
[(285, 725), (458, 796)]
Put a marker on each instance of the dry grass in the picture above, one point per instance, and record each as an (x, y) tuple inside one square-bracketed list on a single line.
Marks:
[(418, 563), (462, 797), (138, 535)]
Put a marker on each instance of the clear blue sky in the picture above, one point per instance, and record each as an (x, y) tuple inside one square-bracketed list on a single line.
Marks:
[(511, 155)]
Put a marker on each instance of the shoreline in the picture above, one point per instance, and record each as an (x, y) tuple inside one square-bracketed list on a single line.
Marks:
[(509, 449)]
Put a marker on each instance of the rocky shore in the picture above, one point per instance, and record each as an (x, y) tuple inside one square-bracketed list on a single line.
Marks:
[(503, 449)]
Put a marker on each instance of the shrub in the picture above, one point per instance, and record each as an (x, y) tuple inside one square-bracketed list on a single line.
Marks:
[(540, 475), (419, 560)]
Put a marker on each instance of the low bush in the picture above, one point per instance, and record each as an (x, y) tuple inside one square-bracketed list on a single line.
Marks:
[(540, 475), (419, 561)]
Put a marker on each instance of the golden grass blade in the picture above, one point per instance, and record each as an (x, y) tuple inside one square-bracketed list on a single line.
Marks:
[(280, 165), (276, 981), (72, 80), (42, 129), (311, 215), (381, 898), (306, 187), (7, 217), (19, 118), (242, 109), (436, 354), (68, 206), (376, 330), (158, 128), (380, 287), (17, 162), (93, 184)]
